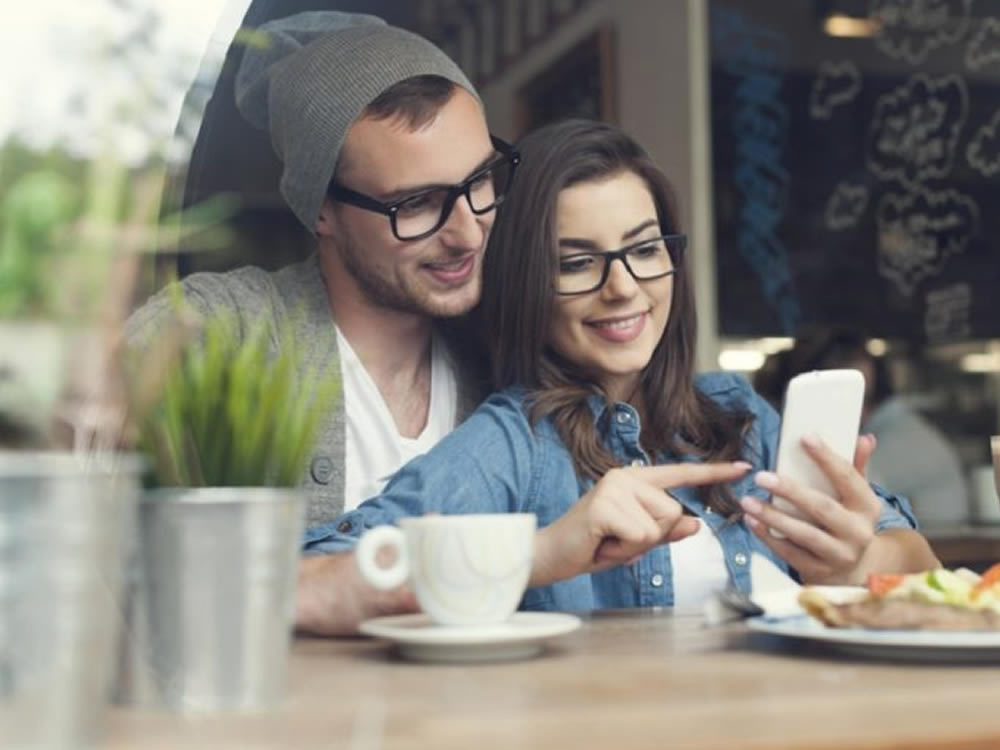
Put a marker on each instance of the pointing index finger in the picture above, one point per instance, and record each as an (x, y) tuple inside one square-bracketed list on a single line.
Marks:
[(681, 474)]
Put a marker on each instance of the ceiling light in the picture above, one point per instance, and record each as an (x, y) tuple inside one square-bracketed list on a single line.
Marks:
[(877, 347), (849, 26), (774, 344), (980, 362), (741, 360)]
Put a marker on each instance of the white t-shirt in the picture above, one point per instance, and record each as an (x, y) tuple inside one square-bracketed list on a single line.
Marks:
[(699, 567), (374, 449)]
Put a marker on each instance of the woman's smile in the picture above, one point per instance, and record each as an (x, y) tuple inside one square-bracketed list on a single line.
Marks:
[(619, 329)]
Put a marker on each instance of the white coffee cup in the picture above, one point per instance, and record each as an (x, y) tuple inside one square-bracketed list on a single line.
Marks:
[(464, 569)]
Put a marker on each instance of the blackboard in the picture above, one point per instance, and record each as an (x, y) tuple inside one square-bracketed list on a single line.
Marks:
[(857, 179)]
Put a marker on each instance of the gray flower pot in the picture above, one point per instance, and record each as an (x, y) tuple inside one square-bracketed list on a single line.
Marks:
[(62, 531), (211, 599)]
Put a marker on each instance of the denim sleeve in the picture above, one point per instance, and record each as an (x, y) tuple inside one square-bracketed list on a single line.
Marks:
[(485, 465), (896, 512)]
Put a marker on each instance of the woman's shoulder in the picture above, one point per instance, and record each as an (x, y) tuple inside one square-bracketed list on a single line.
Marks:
[(731, 391), (508, 405), (724, 386), (510, 409)]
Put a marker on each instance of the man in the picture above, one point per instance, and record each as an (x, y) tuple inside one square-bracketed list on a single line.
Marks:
[(388, 161)]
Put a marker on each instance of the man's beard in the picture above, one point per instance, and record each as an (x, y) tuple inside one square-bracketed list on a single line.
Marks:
[(405, 295)]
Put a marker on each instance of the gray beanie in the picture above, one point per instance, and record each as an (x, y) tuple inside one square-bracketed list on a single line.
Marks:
[(306, 79)]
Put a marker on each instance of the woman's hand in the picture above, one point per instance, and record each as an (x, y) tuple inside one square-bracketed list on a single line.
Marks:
[(835, 535), (624, 515)]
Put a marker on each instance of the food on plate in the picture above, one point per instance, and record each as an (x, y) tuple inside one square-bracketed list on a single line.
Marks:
[(938, 599)]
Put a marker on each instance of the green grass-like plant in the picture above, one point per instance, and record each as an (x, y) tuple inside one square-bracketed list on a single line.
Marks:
[(234, 413)]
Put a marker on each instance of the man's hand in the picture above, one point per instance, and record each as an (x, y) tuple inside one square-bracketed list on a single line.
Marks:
[(332, 599), (624, 515)]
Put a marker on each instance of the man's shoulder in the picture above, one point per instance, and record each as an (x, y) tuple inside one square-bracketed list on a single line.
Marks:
[(246, 293)]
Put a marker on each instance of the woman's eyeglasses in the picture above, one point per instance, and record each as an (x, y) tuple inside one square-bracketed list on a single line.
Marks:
[(650, 259)]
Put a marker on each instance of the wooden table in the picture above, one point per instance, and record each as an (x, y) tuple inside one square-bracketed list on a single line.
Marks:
[(642, 679)]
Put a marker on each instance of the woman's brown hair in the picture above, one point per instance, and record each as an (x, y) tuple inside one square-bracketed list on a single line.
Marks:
[(518, 299)]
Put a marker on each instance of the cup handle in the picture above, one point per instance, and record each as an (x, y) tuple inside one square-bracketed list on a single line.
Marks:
[(367, 549)]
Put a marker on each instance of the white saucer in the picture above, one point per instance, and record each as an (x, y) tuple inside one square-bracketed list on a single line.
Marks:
[(520, 636)]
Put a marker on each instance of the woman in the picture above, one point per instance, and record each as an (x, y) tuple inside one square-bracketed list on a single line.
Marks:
[(589, 315)]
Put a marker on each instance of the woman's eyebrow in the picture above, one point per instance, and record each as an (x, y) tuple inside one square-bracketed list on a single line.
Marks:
[(579, 243), (640, 229)]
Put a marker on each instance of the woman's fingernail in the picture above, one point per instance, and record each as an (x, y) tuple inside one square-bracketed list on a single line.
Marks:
[(744, 465), (751, 504), (766, 479), (752, 522), (812, 441)]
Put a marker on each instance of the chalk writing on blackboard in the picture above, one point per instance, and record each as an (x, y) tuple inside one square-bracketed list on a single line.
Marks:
[(836, 83), (915, 129), (984, 46), (983, 152), (946, 316), (846, 206), (910, 29), (755, 58), (918, 231)]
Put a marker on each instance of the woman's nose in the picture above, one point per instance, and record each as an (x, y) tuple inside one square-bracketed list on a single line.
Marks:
[(620, 282)]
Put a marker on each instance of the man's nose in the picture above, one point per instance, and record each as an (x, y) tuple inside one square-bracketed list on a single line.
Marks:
[(620, 282), (464, 229)]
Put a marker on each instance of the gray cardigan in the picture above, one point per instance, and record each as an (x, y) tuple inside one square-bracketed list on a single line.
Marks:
[(295, 293)]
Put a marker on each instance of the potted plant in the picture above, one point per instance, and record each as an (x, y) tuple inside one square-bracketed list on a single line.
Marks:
[(227, 428)]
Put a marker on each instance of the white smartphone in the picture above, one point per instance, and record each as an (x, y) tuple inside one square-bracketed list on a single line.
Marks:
[(825, 403)]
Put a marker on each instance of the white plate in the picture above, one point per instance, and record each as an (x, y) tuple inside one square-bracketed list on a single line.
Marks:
[(519, 637), (922, 645)]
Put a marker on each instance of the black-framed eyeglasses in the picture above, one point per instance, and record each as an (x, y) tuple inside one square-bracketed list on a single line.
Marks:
[(649, 259), (423, 213)]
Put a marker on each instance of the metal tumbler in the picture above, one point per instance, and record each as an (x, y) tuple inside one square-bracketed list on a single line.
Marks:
[(63, 524)]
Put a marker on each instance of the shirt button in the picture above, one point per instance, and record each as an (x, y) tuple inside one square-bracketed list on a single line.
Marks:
[(740, 559), (321, 469), (344, 527), (707, 510), (656, 580), (639, 462)]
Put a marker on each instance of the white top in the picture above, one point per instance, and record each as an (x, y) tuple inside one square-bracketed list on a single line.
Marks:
[(699, 567), (374, 449)]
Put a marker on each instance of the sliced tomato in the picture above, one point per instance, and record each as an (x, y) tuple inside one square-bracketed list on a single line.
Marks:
[(880, 584), (990, 578)]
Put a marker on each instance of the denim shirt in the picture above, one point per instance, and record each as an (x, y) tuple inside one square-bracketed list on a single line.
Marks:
[(497, 462)]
